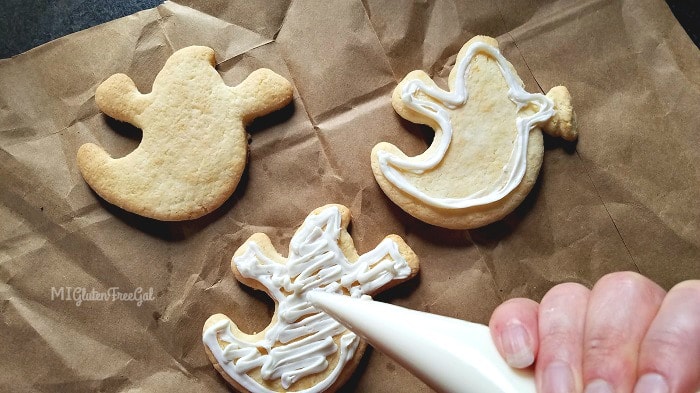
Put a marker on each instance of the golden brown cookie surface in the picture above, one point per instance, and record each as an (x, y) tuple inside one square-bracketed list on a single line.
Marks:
[(194, 144)]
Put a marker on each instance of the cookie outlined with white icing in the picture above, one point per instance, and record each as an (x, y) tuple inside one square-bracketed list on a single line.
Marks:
[(194, 146), (303, 349), (487, 149)]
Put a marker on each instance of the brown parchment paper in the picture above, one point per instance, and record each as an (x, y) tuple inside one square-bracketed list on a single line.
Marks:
[(625, 197)]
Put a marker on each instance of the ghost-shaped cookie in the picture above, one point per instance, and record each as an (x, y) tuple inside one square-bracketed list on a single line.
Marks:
[(194, 144), (303, 349), (488, 144)]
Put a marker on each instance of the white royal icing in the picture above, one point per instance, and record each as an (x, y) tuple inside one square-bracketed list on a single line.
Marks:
[(299, 342), (513, 171)]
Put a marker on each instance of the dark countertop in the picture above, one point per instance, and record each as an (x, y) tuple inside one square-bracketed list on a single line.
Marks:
[(29, 23), (688, 14)]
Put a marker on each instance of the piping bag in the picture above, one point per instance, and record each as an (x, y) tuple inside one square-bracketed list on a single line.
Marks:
[(448, 354)]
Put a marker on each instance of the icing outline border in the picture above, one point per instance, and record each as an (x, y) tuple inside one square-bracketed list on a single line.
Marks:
[(513, 171)]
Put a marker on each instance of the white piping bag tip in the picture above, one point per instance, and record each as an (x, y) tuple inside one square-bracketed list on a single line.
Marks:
[(449, 355)]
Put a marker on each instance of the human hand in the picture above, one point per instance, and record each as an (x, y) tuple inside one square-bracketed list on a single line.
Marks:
[(624, 335)]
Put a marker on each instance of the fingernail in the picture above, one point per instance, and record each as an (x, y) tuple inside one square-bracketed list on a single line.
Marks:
[(558, 378), (517, 345), (651, 383), (599, 386)]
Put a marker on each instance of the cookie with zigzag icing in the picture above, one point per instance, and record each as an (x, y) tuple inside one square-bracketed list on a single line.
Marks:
[(303, 349)]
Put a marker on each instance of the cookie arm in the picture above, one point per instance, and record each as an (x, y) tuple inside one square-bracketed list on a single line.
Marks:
[(256, 263), (563, 123), (262, 92), (400, 106), (119, 98)]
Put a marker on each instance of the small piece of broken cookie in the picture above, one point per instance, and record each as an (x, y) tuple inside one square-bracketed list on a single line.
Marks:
[(563, 122), (194, 144)]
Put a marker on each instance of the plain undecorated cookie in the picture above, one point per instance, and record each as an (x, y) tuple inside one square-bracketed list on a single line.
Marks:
[(194, 144)]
